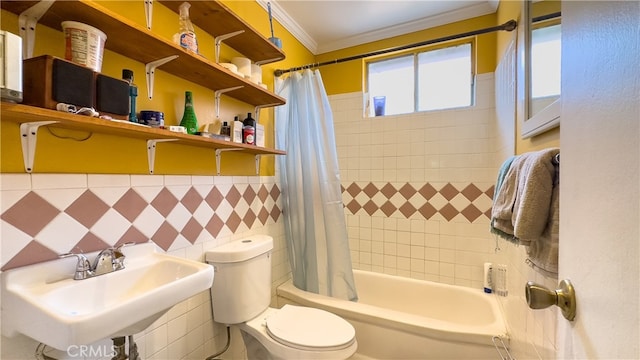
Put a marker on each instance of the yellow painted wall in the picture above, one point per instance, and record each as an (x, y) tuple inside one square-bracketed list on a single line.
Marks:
[(113, 154), (348, 76)]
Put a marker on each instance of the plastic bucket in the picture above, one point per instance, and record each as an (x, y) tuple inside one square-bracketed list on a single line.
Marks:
[(84, 44)]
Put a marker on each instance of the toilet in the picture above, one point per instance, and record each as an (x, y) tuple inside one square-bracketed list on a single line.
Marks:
[(241, 294)]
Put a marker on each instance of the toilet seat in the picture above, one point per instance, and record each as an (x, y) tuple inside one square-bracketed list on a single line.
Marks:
[(309, 329)]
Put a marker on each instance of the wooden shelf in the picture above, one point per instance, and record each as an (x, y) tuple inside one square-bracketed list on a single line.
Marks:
[(23, 114), (131, 40), (216, 19)]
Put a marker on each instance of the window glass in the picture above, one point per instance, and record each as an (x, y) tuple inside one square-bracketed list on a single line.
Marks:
[(393, 79), (444, 78)]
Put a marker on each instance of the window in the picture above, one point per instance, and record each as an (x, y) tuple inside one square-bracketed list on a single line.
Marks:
[(428, 80)]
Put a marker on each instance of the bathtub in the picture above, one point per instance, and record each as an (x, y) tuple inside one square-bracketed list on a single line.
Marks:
[(402, 318)]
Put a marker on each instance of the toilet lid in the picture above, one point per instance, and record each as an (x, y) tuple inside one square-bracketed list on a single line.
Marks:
[(309, 329)]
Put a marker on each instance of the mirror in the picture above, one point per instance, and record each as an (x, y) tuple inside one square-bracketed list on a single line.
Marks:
[(541, 54)]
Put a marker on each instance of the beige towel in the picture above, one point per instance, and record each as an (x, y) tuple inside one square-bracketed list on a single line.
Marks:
[(543, 253), (524, 200)]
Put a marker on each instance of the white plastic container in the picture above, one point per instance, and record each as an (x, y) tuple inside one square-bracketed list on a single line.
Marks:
[(244, 66), (84, 44), (256, 74)]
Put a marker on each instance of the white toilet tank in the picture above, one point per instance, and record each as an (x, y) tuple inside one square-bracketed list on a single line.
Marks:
[(242, 282)]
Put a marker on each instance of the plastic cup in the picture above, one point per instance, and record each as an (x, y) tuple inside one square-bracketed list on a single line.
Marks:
[(379, 104)]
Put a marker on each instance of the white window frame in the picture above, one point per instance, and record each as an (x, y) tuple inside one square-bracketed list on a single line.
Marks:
[(416, 85)]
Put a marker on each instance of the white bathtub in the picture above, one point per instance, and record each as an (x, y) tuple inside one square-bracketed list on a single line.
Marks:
[(402, 318)]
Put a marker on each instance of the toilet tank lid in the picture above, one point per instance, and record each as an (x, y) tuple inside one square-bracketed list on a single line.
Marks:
[(240, 250)]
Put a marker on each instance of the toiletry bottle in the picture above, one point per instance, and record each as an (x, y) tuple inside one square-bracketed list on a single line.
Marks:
[(186, 37), (189, 120), (236, 130), (488, 278), (249, 130), (225, 129), (133, 93)]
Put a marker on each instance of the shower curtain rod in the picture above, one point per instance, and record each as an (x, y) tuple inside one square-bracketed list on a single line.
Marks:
[(508, 26)]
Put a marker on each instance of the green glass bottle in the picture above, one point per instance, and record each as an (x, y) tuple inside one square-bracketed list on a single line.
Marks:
[(189, 120)]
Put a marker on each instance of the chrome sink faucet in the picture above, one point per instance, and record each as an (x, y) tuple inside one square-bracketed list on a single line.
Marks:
[(108, 260)]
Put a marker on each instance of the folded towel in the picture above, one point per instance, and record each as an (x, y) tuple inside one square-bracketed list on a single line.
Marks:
[(527, 204)]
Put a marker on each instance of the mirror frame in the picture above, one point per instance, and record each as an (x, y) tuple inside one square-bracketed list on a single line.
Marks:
[(547, 118)]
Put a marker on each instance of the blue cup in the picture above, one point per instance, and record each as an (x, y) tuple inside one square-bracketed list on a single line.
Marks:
[(379, 104)]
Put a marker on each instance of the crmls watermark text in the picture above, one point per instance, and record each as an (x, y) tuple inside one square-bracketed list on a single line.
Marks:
[(88, 351)]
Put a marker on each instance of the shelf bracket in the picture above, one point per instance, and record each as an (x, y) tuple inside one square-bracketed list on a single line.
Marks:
[(268, 61), (27, 21), (222, 38), (258, 157), (258, 107), (151, 151), (148, 12), (217, 97), (29, 137), (219, 156), (150, 69)]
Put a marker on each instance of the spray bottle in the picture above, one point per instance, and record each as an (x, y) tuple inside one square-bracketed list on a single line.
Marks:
[(186, 37)]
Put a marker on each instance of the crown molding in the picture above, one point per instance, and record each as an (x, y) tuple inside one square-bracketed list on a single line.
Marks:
[(279, 14), (480, 9)]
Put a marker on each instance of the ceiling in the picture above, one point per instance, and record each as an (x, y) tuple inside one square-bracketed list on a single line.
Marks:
[(327, 25)]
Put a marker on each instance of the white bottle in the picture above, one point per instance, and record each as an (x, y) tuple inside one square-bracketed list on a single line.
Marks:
[(488, 278), (186, 37)]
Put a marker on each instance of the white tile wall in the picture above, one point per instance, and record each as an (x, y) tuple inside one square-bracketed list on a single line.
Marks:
[(465, 145), (439, 147), (532, 332)]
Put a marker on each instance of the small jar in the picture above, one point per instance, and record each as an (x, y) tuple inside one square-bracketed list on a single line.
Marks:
[(151, 118)]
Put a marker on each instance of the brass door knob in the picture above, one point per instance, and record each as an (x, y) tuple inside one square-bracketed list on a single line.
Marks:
[(539, 297)]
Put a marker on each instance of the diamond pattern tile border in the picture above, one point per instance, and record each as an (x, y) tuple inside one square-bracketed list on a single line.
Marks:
[(421, 200), (33, 213)]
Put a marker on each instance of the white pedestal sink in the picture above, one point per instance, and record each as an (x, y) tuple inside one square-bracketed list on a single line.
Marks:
[(43, 301)]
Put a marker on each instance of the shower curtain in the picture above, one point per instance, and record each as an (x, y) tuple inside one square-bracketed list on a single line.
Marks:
[(315, 226)]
